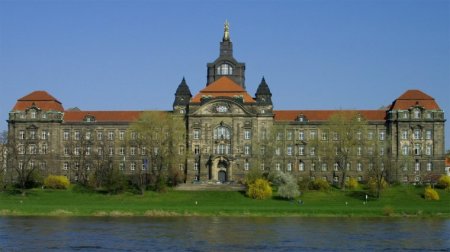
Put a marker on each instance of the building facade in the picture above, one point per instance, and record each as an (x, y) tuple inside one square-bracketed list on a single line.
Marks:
[(230, 132)]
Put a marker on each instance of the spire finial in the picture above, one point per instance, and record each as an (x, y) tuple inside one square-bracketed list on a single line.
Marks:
[(226, 31)]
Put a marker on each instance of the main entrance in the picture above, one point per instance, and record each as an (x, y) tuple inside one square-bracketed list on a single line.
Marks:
[(220, 170)]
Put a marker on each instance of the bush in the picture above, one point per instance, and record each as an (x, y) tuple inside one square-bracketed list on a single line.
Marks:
[(444, 182), (289, 189), (430, 194), (320, 184), (252, 176), (372, 186), (56, 182), (352, 183), (260, 189)]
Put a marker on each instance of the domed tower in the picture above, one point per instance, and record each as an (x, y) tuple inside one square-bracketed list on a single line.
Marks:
[(182, 98), (226, 64)]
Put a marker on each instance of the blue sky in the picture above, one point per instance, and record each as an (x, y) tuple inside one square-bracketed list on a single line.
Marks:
[(131, 55)]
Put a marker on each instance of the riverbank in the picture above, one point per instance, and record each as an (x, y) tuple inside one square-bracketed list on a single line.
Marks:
[(396, 201)]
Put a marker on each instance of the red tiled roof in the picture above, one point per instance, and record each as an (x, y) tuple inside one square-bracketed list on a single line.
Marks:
[(102, 116), (223, 87), (323, 115), (413, 98), (40, 99)]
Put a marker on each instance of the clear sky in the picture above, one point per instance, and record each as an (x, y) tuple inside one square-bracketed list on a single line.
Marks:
[(131, 55)]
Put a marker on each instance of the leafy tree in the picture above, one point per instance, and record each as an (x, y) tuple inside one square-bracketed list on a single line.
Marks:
[(160, 137), (342, 139), (260, 189)]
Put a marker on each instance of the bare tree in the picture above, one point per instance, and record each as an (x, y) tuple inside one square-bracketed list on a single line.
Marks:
[(3, 159), (379, 165), (23, 156), (342, 139), (159, 136)]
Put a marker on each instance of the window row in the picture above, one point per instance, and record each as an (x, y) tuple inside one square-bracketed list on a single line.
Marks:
[(417, 134), (101, 135)]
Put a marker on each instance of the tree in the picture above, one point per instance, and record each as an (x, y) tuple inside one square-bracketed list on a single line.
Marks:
[(379, 165), (288, 188), (342, 139), (22, 157), (3, 155), (160, 137)]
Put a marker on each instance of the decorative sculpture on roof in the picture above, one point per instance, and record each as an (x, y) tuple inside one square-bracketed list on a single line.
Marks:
[(226, 32)]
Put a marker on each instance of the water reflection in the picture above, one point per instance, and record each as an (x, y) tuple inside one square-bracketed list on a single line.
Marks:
[(222, 234)]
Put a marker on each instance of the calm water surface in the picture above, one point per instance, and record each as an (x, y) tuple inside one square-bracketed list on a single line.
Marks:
[(223, 234)]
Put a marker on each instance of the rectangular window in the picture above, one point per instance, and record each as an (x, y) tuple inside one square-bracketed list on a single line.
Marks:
[(32, 134), (278, 151), (301, 135), (196, 165), (279, 136), (66, 151), (121, 166), (429, 166), (247, 149), (313, 167), (382, 135), (197, 149), (132, 151), (405, 150), (405, 135), (100, 136), (359, 167), (121, 135), (417, 149), (247, 134), (88, 135), (277, 166), (44, 149), (196, 134), (301, 150), (324, 166), (289, 167), (76, 151), (324, 135), (336, 136), (76, 135), (312, 151), (312, 135), (88, 150), (263, 150), (65, 166), (416, 135), (289, 135), (336, 167), (132, 166), (111, 151), (417, 166), (44, 135), (289, 150), (144, 151), (428, 135), (301, 166), (133, 135), (122, 151), (370, 135), (246, 166), (33, 114), (111, 135), (359, 151), (21, 134), (428, 150)]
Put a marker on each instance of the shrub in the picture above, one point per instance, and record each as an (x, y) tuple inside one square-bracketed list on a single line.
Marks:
[(260, 189), (320, 184), (444, 182), (352, 183), (430, 194), (56, 182), (372, 186), (252, 176), (289, 189)]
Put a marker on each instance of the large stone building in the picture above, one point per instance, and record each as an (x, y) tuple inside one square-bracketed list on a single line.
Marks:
[(229, 132)]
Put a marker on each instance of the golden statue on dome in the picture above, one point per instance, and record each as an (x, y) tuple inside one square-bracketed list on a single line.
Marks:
[(226, 32)]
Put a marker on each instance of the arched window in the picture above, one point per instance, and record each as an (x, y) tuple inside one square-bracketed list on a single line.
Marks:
[(224, 69), (222, 132)]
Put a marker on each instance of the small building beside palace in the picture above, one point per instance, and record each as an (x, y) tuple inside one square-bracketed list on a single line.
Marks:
[(228, 128)]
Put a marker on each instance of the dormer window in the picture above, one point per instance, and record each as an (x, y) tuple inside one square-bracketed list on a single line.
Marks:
[(89, 118), (33, 114), (224, 69), (301, 118)]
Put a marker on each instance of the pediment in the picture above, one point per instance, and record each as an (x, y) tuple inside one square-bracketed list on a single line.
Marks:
[(222, 108)]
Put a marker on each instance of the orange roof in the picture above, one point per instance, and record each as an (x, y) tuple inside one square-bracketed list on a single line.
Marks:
[(323, 115), (413, 98), (102, 116), (223, 87), (40, 99)]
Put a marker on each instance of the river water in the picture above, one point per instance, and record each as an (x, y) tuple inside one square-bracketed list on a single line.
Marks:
[(223, 234)]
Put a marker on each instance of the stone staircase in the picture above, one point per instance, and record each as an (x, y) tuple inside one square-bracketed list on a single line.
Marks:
[(210, 187)]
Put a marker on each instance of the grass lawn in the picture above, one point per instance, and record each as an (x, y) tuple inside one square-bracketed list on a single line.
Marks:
[(395, 201)]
